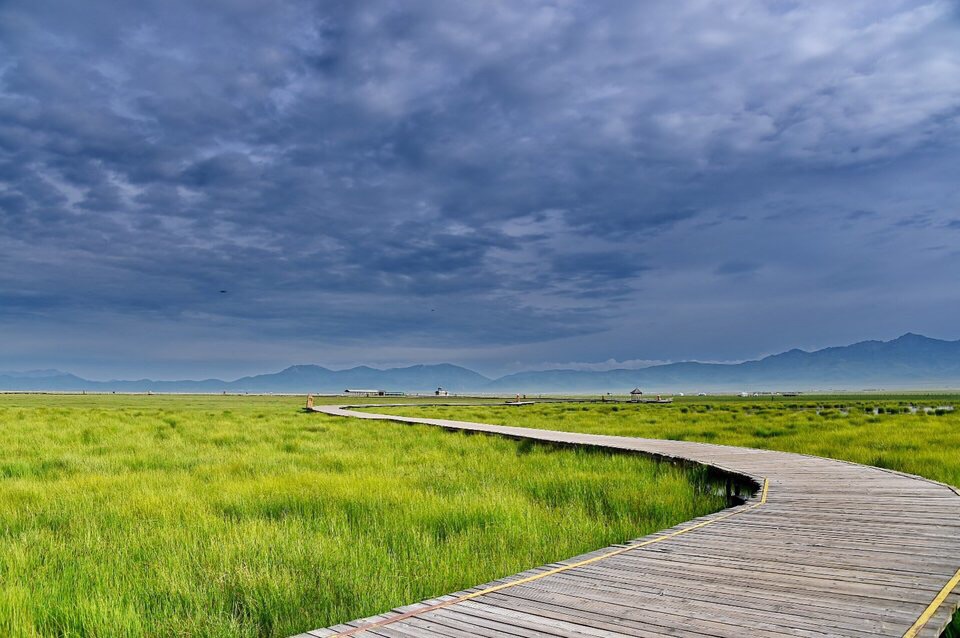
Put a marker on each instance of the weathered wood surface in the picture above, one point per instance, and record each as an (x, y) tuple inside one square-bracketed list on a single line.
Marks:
[(830, 549)]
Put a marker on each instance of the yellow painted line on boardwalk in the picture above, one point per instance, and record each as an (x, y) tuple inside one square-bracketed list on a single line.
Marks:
[(934, 606), (556, 570)]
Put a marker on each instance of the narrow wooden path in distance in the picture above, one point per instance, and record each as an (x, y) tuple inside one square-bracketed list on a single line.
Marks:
[(824, 548)]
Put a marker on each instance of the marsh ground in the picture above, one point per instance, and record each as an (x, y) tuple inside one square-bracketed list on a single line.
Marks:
[(242, 516)]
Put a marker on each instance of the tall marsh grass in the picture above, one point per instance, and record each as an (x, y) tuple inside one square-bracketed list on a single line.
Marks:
[(240, 516)]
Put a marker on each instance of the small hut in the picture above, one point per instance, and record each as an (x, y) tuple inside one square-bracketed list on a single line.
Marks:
[(635, 395)]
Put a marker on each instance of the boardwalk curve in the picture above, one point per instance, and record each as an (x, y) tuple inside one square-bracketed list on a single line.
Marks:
[(822, 548)]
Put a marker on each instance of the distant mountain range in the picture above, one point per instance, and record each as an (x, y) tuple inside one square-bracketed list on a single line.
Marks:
[(910, 361)]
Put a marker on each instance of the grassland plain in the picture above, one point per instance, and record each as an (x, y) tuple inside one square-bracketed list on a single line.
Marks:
[(241, 516), (907, 433)]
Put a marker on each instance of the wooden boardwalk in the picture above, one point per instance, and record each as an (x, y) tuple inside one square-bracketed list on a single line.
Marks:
[(823, 548)]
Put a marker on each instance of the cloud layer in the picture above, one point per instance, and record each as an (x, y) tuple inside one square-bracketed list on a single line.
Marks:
[(499, 183)]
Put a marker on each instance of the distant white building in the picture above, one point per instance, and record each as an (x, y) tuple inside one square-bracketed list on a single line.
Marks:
[(442, 393), (372, 393)]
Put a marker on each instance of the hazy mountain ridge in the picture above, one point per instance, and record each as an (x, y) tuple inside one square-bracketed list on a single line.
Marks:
[(909, 361), (297, 378)]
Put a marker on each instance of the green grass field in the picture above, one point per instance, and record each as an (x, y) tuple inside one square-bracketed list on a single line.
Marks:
[(241, 516), (879, 430)]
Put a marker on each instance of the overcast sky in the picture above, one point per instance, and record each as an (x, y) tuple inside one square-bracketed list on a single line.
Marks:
[(502, 184)]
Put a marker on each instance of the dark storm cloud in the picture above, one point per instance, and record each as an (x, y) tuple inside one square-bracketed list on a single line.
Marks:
[(474, 176)]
